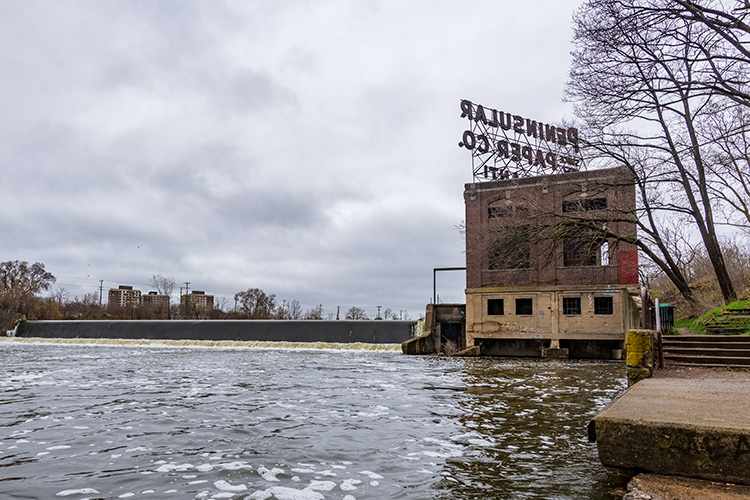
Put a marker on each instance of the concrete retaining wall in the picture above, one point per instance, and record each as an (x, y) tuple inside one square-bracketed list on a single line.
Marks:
[(372, 332)]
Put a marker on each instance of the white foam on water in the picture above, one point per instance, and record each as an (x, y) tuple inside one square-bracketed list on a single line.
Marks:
[(349, 497), (226, 486), (174, 468), (236, 465), (284, 493), (82, 491), (126, 495), (371, 475), (269, 474), (350, 484), (321, 485), (224, 494)]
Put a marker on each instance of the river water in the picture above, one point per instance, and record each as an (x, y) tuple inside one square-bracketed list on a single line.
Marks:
[(81, 421)]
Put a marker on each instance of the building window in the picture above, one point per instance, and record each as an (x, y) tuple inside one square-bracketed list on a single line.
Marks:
[(571, 305), (511, 249), (524, 307), (495, 307), (581, 252), (584, 205), (603, 305)]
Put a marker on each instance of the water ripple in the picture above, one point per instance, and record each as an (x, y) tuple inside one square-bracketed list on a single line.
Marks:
[(133, 422)]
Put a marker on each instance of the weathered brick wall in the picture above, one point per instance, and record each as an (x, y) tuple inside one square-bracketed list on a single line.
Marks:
[(514, 200)]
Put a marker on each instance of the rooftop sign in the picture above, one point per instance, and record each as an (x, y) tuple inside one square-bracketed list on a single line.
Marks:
[(504, 145)]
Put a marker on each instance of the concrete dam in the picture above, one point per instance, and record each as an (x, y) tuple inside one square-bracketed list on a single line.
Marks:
[(370, 332)]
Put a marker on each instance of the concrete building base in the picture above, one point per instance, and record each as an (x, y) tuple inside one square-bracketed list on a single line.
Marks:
[(555, 353), (676, 426)]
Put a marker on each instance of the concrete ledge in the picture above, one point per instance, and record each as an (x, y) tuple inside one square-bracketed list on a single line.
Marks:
[(689, 427), (469, 351), (655, 487)]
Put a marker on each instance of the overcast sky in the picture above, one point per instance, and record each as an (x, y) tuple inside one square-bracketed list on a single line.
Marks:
[(308, 148)]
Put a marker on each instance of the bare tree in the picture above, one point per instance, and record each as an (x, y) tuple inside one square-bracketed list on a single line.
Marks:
[(315, 313), (356, 313), (647, 78), (254, 303), (20, 283), (162, 284)]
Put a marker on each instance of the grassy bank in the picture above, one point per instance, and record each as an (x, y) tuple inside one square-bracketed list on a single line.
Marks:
[(732, 319)]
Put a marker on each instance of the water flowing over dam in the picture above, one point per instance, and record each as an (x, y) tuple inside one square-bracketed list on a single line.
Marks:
[(371, 332), (128, 421)]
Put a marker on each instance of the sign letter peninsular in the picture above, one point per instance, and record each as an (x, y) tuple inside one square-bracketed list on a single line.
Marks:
[(506, 146)]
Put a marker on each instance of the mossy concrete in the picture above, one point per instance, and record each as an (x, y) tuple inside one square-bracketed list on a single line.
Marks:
[(688, 427)]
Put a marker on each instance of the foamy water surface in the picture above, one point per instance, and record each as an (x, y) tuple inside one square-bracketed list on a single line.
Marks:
[(82, 421)]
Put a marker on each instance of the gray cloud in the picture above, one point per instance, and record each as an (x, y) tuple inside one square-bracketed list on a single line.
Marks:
[(307, 148)]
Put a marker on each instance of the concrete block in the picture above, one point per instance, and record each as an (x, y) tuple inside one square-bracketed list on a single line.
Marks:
[(689, 427), (555, 353)]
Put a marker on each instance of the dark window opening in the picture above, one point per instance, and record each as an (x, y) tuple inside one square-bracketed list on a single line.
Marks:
[(524, 307), (581, 252), (512, 250), (497, 212), (495, 307), (603, 305), (584, 205), (571, 305)]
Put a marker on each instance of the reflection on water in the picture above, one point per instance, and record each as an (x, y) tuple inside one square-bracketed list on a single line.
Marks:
[(155, 422)]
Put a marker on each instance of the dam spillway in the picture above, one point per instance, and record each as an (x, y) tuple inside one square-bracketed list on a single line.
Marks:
[(370, 332)]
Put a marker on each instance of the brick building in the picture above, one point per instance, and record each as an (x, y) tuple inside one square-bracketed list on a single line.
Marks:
[(123, 296), (197, 302), (156, 303), (535, 281)]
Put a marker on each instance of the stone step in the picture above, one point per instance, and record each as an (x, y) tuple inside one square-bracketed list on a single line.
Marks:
[(715, 352), (706, 338), (709, 365), (671, 346), (727, 329), (707, 360)]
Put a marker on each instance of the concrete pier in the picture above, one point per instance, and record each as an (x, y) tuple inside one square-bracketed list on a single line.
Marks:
[(695, 427)]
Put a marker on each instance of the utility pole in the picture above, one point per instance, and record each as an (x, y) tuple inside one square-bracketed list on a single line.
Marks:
[(187, 293)]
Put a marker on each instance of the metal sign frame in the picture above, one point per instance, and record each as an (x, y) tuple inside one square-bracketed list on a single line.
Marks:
[(504, 145)]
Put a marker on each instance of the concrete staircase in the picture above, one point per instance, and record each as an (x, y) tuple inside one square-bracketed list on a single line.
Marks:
[(730, 321), (707, 350)]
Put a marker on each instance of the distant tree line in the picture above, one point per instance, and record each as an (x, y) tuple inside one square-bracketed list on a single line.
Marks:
[(22, 285)]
